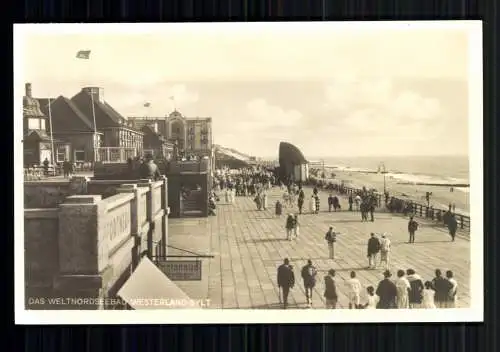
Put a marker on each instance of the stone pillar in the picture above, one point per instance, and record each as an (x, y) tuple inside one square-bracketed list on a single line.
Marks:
[(166, 209), (134, 220), (83, 252), (149, 206)]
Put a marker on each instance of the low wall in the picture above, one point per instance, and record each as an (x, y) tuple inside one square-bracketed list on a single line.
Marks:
[(82, 250), (49, 194)]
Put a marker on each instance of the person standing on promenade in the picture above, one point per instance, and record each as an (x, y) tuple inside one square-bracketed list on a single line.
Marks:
[(286, 281), (351, 200), (428, 295), (387, 292), (312, 204), (417, 287), (300, 202), (372, 202), (330, 202), (289, 225), (357, 202), (412, 228), (364, 210), (330, 290), (148, 169), (353, 290), (442, 287), (373, 299), (403, 291), (331, 238), (308, 274), (296, 226), (452, 226), (264, 200), (452, 296), (278, 208), (446, 216), (373, 249), (316, 204), (385, 248), (258, 201), (336, 203)]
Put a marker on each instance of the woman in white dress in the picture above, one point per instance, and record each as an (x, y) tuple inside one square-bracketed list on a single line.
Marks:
[(312, 204), (403, 291), (428, 296)]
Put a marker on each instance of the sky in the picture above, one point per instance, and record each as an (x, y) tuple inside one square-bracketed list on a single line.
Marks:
[(331, 90)]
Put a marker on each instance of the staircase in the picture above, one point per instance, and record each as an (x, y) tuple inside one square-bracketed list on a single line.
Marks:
[(191, 205)]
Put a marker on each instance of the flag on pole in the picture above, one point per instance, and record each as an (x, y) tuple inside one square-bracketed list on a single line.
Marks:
[(147, 105), (83, 54)]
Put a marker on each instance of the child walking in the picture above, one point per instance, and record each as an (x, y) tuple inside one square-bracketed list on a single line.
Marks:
[(428, 296), (373, 299)]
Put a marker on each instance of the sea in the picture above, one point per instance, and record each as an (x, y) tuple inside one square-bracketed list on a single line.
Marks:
[(411, 169)]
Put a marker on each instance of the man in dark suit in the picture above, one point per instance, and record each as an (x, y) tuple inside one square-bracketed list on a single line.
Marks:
[(286, 280), (149, 170), (330, 290)]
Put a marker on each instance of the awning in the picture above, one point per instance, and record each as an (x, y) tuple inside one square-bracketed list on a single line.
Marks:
[(149, 288)]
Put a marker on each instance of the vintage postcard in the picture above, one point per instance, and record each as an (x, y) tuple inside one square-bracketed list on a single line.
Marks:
[(248, 172)]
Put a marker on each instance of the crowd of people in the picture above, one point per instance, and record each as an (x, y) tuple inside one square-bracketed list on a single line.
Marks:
[(248, 182), (407, 291)]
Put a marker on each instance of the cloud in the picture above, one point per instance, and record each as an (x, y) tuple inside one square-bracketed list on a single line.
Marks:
[(374, 106), (261, 115)]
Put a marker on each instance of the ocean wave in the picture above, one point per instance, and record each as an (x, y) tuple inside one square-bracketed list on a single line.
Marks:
[(404, 177)]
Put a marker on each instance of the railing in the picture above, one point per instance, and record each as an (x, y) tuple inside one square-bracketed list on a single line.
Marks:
[(38, 172), (403, 206)]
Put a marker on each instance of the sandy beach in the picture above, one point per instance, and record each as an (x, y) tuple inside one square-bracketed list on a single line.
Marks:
[(440, 198)]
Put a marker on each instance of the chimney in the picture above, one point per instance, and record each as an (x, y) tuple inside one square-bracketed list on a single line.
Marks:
[(96, 92), (27, 88)]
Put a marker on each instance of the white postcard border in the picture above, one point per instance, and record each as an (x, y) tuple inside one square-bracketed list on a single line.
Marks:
[(207, 316)]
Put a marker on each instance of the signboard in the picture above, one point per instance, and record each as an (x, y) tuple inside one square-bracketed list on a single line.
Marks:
[(181, 270)]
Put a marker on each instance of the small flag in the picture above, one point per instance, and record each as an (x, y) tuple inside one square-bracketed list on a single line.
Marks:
[(147, 105), (83, 54)]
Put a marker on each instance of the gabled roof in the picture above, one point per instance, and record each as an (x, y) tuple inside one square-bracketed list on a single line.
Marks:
[(105, 115), (150, 130), (66, 116), (36, 135)]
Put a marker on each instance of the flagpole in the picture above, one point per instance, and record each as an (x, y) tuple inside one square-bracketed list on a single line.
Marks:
[(51, 135), (85, 55), (173, 102), (95, 126)]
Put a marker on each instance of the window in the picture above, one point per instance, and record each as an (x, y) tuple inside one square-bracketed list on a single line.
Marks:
[(42, 124), (79, 156), (34, 124), (60, 154)]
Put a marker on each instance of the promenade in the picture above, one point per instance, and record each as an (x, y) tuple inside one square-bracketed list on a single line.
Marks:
[(248, 245)]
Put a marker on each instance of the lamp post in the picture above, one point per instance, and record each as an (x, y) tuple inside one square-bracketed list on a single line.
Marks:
[(383, 170)]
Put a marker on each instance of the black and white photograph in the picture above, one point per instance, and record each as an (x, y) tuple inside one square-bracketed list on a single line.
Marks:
[(248, 172)]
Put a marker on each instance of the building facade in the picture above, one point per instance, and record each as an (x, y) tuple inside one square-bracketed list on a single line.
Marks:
[(38, 146), (116, 131), (75, 136), (191, 136)]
